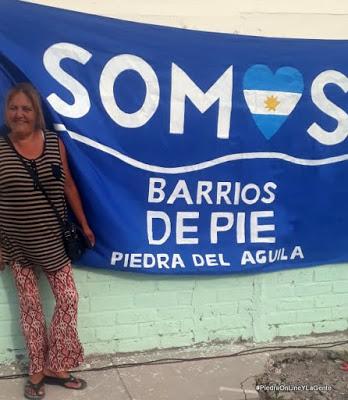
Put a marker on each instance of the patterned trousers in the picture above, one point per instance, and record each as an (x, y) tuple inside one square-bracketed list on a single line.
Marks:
[(59, 349)]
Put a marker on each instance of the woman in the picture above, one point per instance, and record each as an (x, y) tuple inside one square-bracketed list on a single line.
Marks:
[(30, 236)]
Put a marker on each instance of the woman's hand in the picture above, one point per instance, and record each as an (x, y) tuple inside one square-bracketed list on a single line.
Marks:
[(89, 234)]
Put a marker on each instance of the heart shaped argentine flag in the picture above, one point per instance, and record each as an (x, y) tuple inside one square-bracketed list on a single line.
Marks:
[(271, 98)]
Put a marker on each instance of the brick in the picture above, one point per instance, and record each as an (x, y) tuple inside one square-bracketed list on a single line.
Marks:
[(126, 286), (136, 315), (285, 317), (6, 281), (124, 331), (226, 309), (313, 289), (340, 312), (7, 314), (211, 283), (175, 313), (296, 276), (280, 291), (84, 305), (87, 335), (99, 319), (168, 327), (97, 276), (234, 294), (330, 326), (156, 300), (265, 305), (267, 279), (201, 336), (147, 343), (10, 298), (237, 321), (245, 306), (322, 314), (12, 342), (295, 329), (184, 298), (233, 334), (177, 340), (207, 311), (202, 296), (80, 275), (8, 327), (111, 303), (207, 323), (264, 332), (48, 308), (187, 325), (181, 284), (147, 329), (332, 300), (330, 273), (340, 287), (225, 281), (295, 303), (159, 328), (106, 333), (94, 289), (342, 272), (223, 309), (101, 347)]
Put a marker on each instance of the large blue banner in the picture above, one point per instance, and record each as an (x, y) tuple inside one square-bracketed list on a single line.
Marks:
[(194, 152)]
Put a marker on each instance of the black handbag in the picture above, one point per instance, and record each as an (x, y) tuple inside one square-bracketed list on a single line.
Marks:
[(75, 241)]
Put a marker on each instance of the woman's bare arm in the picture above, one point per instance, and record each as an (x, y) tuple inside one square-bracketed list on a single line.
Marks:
[(73, 196)]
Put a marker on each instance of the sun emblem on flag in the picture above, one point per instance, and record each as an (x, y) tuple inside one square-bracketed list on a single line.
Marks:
[(271, 103)]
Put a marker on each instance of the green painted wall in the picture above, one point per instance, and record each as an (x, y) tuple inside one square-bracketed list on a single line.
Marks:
[(123, 312)]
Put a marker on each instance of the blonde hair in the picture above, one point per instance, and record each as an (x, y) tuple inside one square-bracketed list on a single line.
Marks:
[(33, 95)]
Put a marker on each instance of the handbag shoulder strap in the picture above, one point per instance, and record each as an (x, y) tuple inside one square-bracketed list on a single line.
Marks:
[(37, 182)]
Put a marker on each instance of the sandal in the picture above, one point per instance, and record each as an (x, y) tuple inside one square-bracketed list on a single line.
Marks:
[(53, 380), (31, 388)]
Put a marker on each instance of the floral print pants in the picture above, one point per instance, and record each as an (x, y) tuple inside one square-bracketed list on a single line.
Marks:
[(59, 349)]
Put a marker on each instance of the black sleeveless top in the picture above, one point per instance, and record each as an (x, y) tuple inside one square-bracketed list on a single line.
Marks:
[(29, 230)]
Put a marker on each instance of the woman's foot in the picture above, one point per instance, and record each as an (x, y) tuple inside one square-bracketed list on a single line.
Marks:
[(65, 379), (34, 388)]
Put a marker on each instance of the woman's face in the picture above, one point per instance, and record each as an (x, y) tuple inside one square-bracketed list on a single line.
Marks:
[(20, 114)]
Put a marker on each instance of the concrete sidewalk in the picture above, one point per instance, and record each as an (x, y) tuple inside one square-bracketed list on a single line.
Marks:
[(206, 379), (223, 378), (200, 380)]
